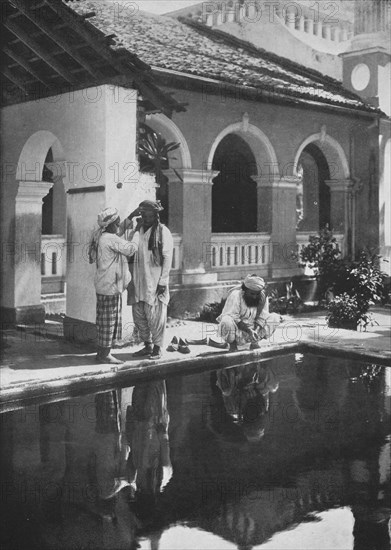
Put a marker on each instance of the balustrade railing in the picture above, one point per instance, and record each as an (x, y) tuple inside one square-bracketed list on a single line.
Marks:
[(239, 249)]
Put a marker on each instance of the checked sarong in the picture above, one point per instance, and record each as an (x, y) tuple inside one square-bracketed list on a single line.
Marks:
[(108, 319)]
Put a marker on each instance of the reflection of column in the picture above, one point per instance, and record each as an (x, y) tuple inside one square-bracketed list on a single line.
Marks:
[(339, 205), (190, 207), (277, 216), (28, 220)]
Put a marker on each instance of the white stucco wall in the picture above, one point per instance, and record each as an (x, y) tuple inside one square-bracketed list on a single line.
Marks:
[(94, 132)]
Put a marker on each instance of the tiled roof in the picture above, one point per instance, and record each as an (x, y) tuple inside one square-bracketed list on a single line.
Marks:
[(194, 49)]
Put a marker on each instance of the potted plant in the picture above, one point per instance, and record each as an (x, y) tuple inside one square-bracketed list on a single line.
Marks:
[(323, 257), (153, 153)]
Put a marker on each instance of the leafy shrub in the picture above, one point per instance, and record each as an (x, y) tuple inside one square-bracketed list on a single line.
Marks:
[(211, 311), (353, 285)]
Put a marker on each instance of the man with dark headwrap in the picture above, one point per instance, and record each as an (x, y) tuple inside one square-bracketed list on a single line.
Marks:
[(148, 292), (110, 253), (245, 317)]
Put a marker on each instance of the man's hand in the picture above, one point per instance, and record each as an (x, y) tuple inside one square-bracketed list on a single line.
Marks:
[(161, 289), (134, 213), (253, 334)]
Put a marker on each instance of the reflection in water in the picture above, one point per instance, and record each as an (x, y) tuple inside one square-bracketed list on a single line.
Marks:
[(277, 454), (147, 422), (245, 391)]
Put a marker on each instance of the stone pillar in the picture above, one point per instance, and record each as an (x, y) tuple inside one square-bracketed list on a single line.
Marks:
[(301, 23), (319, 29), (340, 191), (190, 214), (28, 221), (291, 17), (309, 26), (277, 216), (336, 34)]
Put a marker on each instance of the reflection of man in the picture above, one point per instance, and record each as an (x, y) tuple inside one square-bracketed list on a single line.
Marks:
[(245, 393), (147, 422), (246, 317), (110, 253), (148, 291)]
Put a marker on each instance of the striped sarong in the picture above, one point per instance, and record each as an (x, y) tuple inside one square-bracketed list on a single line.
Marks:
[(108, 319)]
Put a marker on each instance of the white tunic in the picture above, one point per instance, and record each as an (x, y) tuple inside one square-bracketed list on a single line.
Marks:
[(236, 307), (112, 271), (146, 274)]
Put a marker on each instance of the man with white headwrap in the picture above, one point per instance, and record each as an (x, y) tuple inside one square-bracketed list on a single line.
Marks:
[(110, 253), (245, 317)]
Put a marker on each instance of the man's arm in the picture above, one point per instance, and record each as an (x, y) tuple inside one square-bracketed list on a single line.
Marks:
[(127, 248), (168, 247), (261, 318), (232, 306)]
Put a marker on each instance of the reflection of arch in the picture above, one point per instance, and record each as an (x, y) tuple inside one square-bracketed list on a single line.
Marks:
[(170, 131), (332, 150), (258, 142), (33, 155)]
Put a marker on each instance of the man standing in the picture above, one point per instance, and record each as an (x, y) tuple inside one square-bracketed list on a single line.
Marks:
[(110, 253), (148, 292), (246, 317)]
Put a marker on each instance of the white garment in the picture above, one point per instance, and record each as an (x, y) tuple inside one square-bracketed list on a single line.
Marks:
[(236, 307), (146, 274), (112, 271)]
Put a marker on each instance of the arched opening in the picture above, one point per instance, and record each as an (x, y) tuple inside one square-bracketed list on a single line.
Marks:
[(166, 148), (53, 224), (313, 195), (234, 193)]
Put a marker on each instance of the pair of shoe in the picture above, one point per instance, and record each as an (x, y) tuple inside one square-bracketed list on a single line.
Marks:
[(178, 345), (149, 352)]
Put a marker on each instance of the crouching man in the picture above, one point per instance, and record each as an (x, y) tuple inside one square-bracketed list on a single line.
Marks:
[(110, 253), (245, 317)]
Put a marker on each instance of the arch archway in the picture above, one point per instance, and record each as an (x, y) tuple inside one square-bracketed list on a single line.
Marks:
[(33, 155), (313, 196), (332, 152), (178, 159), (239, 152), (234, 192), (259, 143), (40, 174)]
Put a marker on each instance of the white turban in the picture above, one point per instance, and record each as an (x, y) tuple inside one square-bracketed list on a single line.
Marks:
[(255, 283), (107, 216)]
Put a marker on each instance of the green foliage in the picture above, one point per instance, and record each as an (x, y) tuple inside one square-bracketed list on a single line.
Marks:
[(355, 285), (291, 302), (211, 311), (323, 255), (153, 150)]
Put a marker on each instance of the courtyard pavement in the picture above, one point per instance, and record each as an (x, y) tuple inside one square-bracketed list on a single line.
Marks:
[(36, 362)]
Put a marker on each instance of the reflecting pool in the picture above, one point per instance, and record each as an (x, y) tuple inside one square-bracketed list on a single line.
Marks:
[(292, 453)]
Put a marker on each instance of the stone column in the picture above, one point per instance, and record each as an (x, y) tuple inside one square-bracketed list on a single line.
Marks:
[(190, 214), (28, 222), (277, 216)]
